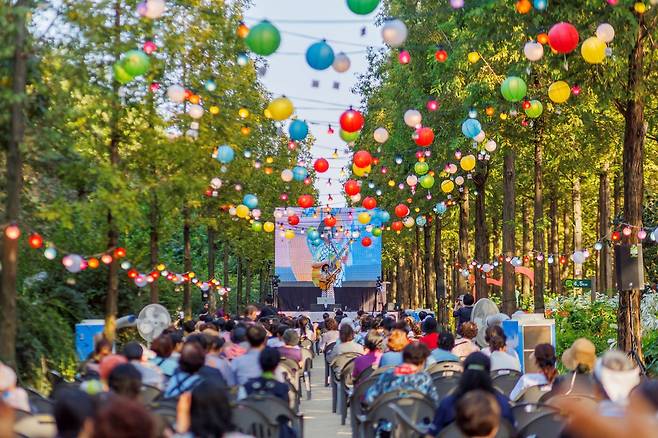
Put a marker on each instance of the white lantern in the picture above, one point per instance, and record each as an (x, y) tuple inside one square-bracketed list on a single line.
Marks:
[(195, 111), (356, 198), (490, 146), (176, 94), (341, 63), (72, 263), (578, 257), (413, 118), (216, 183), (412, 180), (394, 32), (256, 213), (605, 32), (380, 135), (459, 180), (409, 222), (533, 51), (452, 168), (154, 9), (286, 175), (480, 137), (486, 268)]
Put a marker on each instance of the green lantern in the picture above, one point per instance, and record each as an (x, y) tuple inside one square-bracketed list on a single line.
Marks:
[(257, 226), (349, 137), (362, 7), (377, 232), (513, 89), (135, 62), (535, 110), (120, 73), (421, 168), (263, 39), (427, 181)]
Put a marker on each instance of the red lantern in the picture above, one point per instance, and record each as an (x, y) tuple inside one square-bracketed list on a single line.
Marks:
[(35, 241), (321, 165), (351, 120), (362, 159), (352, 187), (397, 226), (616, 236), (330, 221), (305, 201), (401, 210), (293, 220), (120, 253), (133, 273), (432, 105), (424, 136), (441, 55), (404, 57), (149, 47), (563, 37), (366, 241), (369, 203)]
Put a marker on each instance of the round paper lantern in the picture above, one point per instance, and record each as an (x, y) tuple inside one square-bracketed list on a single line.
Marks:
[(299, 173), (352, 187), (593, 50), (251, 201), (523, 6), (513, 89), (535, 109), (384, 216), (154, 9), (427, 181), (471, 128), (268, 227), (369, 203), (380, 135), (263, 39), (351, 120), (467, 162), (361, 171), (362, 7), (195, 111), (362, 159), (225, 154), (289, 234), (421, 168), (330, 221), (447, 186), (366, 241), (421, 221), (305, 201), (313, 234), (459, 180), (286, 175), (298, 130), (135, 62), (404, 57), (563, 37), (293, 220), (255, 213), (413, 118), (490, 146), (533, 51), (451, 168), (440, 208), (397, 226), (412, 180), (321, 165), (473, 57), (376, 231), (605, 32), (320, 55), (257, 226), (559, 92), (280, 108), (363, 218), (120, 74), (176, 94), (356, 198), (242, 211), (341, 63), (424, 136), (401, 210), (349, 137), (408, 222), (540, 5), (394, 32), (578, 257)]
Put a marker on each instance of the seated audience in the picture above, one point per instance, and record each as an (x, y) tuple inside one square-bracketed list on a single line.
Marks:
[(267, 384), (347, 343), (215, 359), (74, 413), (125, 380), (91, 367), (163, 347), (444, 353), (206, 372), (124, 418), (373, 346), (431, 336), (410, 375), (11, 394), (247, 366), (544, 357), (500, 360), (478, 414), (186, 377), (276, 340), (305, 328), (466, 345), (498, 331), (579, 359), (151, 374), (396, 342), (616, 375), (330, 335), (291, 349)]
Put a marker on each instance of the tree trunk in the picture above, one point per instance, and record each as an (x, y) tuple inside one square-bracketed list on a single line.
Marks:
[(554, 268), (481, 232), (248, 281), (212, 298), (14, 185), (605, 255), (538, 225), (415, 284), (393, 287), (225, 274), (441, 295), (509, 231), (154, 219), (187, 263), (617, 195), (261, 284), (463, 255), (400, 282), (566, 246), (427, 253), (495, 235), (238, 295), (577, 223), (630, 333), (525, 213)]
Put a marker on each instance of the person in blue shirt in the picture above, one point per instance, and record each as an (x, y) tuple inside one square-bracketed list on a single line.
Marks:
[(463, 310), (186, 377), (446, 344), (266, 384)]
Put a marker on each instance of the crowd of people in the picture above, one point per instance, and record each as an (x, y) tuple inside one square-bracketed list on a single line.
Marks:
[(207, 363)]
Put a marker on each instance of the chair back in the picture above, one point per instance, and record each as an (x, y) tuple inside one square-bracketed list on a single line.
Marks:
[(307, 358), (445, 368), (35, 426), (407, 416), (583, 400), (381, 370), (534, 394), (525, 413), (149, 394), (505, 430), (341, 361), (363, 375), (549, 425), (251, 421), (328, 349), (38, 403), (306, 344), (357, 407), (165, 409), (445, 385), (505, 380), (275, 410)]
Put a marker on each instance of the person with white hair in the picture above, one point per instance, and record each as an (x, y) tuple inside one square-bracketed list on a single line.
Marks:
[(11, 394)]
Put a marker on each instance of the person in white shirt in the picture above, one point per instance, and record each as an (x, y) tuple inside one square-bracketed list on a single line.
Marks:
[(498, 330), (544, 357), (466, 344), (500, 360)]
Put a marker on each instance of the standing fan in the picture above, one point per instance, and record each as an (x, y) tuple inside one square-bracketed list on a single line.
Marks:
[(483, 309), (152, 321)]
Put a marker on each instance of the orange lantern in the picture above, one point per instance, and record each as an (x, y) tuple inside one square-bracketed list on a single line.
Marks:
[(242, 30), (93, 263), (195, 99), (523, 6), (542, 38)]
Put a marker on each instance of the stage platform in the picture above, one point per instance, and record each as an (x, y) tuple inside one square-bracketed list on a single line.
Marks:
[(303, 297)]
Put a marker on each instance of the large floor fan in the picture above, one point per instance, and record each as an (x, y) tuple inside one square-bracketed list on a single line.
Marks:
[(152, 321), (482, 310)]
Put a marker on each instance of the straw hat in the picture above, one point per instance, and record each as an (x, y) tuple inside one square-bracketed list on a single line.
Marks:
[(581, 352)]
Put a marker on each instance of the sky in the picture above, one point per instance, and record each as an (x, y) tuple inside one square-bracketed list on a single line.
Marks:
[(302, 23)]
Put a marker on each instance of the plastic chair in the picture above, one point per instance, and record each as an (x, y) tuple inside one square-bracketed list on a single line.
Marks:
[(525, 413), (445, 368), (149, 394), (35, 426), (336, 367), (327, 349), (364, 375), (292, 373), (357, 407), (408, 416), (39, 404), (546, 426), (446, 385), (307, 357), (166, 410), (250, 421), (505, 380), (276, 411), (551, 398), (306, 344), (346, 382), (505, 430), (534, 394)]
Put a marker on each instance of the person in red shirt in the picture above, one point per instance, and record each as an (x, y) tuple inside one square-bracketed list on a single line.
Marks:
[(431, 330)]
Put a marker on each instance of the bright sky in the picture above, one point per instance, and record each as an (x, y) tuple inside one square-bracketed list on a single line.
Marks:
[(289, 74)]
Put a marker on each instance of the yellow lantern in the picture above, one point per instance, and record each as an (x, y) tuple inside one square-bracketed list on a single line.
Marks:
[(267, 113), (214, 110), (364, 218), (503, 116), (559, 92), (473, 57), (640, 7), (409, 222), (268, 227), (161, 267), (447, 186), (241, 211), (191, 274), (593, 50), (361, 171), (467, 163), (280, 108), (269, 160), (289, 234), (391, 183), (243, 113)]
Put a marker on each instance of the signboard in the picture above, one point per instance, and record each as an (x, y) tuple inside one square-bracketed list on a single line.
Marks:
[(576, 282)]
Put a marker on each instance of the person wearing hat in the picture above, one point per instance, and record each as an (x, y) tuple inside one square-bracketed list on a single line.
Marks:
[(579, 359), (10, 394), (290, 347)]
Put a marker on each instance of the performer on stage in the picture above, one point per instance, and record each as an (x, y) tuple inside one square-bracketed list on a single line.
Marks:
[(327, 280)]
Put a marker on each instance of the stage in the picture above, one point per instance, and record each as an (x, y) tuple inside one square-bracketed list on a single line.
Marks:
[(353, 298)]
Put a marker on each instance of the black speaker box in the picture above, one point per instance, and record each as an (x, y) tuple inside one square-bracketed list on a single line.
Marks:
[(629, 266)]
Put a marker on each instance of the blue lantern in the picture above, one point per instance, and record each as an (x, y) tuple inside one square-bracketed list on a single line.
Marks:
[(250, 201), (313, 235), (440, 208), (225, 154), (298, 130), (384, 216), (421, 221), (471, 128), (320, 55), (243, 59), (299, 173), (540, 5), (210, 85)]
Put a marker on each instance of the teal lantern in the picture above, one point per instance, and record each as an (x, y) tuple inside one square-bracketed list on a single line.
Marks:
[(263, 39), (535, 109), (421, 221), (421, 168), (250, 201), (384, 216), (513, 89), (299, 173), (225, 154), (471, 128), (298, 130), (135, 62), (362, 7), (313, 235), (440, 208), (320, 55), (426, 181)]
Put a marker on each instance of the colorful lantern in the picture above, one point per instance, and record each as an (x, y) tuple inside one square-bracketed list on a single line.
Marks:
[(362, 7), (593, 50), (362, 159), (369, 203), (280, 108), (225, 154), (535, 109), (401, 210), (298, 130), (263, 39), (320, 55), (349, 137), (341, 63), (563, 37), (471, 128), (467, 163), (513, 89), (352, 187), (380, 135), (394, 32), (447, 186), (424, 136), (305, 201), (351, 120), (321, 165), (366, 241), (559, 92)]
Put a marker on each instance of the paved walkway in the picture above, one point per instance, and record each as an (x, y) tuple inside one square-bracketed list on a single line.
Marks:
[(319, 421)]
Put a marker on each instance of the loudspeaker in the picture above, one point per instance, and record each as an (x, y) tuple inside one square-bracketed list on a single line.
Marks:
[(629, 265)]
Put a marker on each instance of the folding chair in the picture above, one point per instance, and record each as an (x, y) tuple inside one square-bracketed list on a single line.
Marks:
[(276, 411), (505, 380), (404, 416), (525, 413), (549, 425)]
